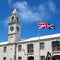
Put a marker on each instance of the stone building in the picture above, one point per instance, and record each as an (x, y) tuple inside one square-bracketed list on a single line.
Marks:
[(30, 49)]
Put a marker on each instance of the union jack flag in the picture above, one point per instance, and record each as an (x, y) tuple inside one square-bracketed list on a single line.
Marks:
[(42, 24), (45, 25), (51, 26)]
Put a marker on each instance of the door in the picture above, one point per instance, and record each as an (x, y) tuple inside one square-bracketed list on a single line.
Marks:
[(31, 58)]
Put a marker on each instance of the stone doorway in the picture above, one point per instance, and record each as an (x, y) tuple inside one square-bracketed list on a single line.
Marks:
[(31, 58)]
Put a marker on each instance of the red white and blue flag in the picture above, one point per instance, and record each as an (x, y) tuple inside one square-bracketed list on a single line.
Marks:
[(42, 24), (45, 25), (51, 26)]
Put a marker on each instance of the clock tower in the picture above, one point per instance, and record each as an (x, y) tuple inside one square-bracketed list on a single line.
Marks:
[(14, 27)]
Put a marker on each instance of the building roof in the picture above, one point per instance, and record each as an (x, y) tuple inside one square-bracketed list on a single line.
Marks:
[(36, 38), (1, 43), (42, 37)]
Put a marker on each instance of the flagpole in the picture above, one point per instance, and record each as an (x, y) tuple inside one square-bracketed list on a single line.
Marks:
[(42, 24), (39, 44), (39, 40)]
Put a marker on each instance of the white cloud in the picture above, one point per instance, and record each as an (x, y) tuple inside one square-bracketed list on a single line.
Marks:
[(31, 14), (42, 11), (5, 23), (25, 12), (9, 2), (52, 6)]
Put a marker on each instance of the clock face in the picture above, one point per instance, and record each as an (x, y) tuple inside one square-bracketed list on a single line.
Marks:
[(17, 29), (11, 28)]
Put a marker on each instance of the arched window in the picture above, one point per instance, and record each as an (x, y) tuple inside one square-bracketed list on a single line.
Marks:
[(12, 18), (17, 19), (56, 45)]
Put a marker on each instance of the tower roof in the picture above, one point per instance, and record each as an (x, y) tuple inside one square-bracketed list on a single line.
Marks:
[(14, 11)]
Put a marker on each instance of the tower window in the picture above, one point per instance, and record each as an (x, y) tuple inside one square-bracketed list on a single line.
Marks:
[(17, 19), (12, 17)]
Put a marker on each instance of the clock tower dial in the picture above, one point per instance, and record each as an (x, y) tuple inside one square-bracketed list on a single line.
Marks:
[(14, 27), (11, 28)]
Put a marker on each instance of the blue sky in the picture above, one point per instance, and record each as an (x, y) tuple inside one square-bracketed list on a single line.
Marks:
[(30, 12)]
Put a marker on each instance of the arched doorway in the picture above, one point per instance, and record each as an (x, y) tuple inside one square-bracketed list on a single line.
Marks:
[(56, 57), (31, 58)]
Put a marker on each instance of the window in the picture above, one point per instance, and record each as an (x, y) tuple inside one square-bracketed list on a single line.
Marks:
[(19, 58), (19, 47), (4, 58), (10, 58), (12, 17), (56, 45), (30, 48), (17, 19), (42, 57), (42, 45), (4, 49)]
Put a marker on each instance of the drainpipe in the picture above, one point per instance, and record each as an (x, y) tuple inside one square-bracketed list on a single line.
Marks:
[(15, 52)]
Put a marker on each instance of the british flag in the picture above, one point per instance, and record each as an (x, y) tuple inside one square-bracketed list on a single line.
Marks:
[(42, 24), (45, 25), (51, 26)]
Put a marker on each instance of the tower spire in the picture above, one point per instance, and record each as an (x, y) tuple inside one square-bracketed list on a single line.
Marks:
[(14, 11)]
